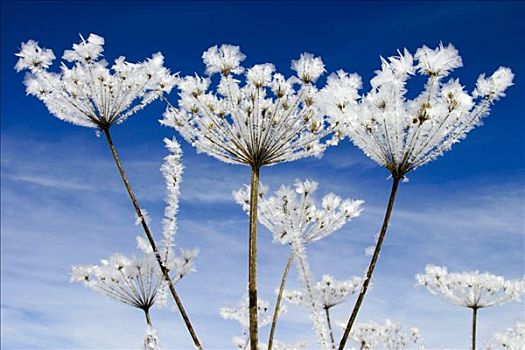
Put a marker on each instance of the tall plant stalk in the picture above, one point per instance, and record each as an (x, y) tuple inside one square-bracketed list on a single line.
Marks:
[(329, 322), (371, 267), (474, 321), (252, 260), (278, 301), (163, 268)]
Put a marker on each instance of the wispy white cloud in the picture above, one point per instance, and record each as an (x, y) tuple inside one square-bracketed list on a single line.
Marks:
[(50, 221)]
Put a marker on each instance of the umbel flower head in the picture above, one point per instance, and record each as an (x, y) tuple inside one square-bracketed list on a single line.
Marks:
[(402, 134), (85, 91), (292, 211), (470, 289), (240, 314), (331, 291), (513, 338), (259, 119), (134, 281), (388, 336)]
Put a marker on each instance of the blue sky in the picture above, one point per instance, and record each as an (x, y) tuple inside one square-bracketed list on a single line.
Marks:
[(63, 203)]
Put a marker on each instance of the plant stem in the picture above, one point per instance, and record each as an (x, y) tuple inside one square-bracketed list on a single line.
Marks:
[(372, 265), (252, 260), (278, 301), (312, 297), (148, 318), (327, 312), (474, 321), (163, 268)]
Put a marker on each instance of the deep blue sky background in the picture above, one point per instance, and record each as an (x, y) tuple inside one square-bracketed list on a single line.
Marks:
[(63, 204)]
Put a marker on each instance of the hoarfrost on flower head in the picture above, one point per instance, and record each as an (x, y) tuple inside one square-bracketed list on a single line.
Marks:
[(293, 211), (470, 289), (403, 134), (240, 313), (33, 57), (257, 119), (387, 335), (225, 59), (513, 338), (331, 291), (85, 91)]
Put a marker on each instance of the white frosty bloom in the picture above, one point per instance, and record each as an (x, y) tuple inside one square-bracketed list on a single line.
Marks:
[(260, 74), (133, 281), (240, 314), (136, 281), (85, 91), (259, 119), (86, 51), (225, 59), (331, 291), (386, 336), (292, 211), (494, 86), (33, 57), (513, 338), (439, 61), (403, 134), (308, 67), (470, 289)]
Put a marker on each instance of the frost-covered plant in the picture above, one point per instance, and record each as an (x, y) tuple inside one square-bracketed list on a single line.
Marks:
[(240, 313), (151, 341), (471, 289), (86, 91), (402, 134), (331, 291), (388, 336), (135, 281), (513, 338), (294, 219), (257, 119)]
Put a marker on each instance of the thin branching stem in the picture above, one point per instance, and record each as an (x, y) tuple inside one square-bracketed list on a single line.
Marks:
[(252, 259), (164, 269), (329, 322), (474, 322), (395, 184), (278, 301)]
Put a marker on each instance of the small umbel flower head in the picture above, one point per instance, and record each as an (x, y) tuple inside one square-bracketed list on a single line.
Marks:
[(292, 211), (387, 335), (137, 282), (403, 134), (470, 289), (331, 291), (132, 281), (85, 91), (266, 120), (240, 314), (513, 338)]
